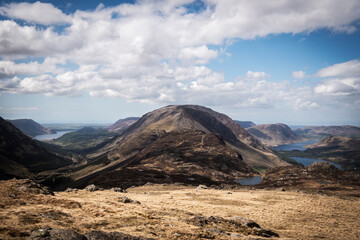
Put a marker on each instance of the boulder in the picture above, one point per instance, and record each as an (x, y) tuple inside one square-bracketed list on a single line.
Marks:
[(91, 188), (245, 222)]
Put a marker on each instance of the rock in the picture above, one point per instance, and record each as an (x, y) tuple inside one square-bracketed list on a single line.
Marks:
[(66, 234), (31, 186), (125, 199), (100, 235), (245, 222), (263, 233), (202, 187), (71, 190), (56, 234), (91, 188), (116, 189)]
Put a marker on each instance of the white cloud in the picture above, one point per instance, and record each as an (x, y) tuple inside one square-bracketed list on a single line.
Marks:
[(298, 74), (38, 12), (256, 75), (154, 51), (199, 55), (350, 68), (341, 79)]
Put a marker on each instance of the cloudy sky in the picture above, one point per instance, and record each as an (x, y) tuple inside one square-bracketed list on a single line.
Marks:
[(290, 61)]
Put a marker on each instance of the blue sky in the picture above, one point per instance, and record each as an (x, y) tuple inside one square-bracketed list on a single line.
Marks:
[(296, 62)]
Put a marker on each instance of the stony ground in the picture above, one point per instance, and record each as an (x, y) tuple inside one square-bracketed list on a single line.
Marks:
[(179, 212)]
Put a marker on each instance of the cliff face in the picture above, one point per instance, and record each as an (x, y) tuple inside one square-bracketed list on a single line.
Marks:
[(274, 134)]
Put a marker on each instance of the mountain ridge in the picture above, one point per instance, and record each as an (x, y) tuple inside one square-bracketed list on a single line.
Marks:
[(30, 127)]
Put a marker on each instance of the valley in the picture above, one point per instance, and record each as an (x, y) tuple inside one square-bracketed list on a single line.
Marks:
[(176, 173)]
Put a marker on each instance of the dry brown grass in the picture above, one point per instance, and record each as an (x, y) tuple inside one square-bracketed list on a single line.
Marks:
[(165, 210)]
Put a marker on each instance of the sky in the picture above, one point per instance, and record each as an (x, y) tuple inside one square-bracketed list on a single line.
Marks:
[(290, 61)]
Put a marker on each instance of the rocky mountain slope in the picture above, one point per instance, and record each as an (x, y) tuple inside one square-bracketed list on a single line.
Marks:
[(274, 134), (20, 156), (326, 131), (122, 124), (30, 127), (184, 143), (245, 124)]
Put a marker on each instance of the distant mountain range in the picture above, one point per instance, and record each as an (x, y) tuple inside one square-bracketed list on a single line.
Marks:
[(320, 132), (178, 143), (185, 143), (30, 127), (274, 134), (20, 156), (245, 124), (122, 124)]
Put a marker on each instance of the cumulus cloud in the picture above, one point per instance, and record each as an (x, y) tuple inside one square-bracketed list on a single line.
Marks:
[(340, 79), (350, 68), (298, 74), (256, 75), (38, 12), (155, 51)]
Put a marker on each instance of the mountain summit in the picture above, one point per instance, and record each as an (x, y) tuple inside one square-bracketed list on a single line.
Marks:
[(178, 143)]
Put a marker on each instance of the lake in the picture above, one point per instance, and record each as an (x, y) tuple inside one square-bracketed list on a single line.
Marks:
[(295, 146), (51, 136), (308, 161), (249, 181)]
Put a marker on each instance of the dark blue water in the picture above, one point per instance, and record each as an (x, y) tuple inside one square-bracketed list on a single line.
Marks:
[(249, 181), (308, 161), (294, 146), (51, 136)]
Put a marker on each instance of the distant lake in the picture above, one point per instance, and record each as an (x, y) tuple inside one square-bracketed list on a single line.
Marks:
[(308, 161), (249, 181), (294, 146), (51, 136)]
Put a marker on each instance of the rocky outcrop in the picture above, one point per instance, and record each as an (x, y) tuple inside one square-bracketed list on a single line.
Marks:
[(315, 176), (217, 226), (67, 234)]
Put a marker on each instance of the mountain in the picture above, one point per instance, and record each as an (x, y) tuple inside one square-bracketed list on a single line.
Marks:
[(184, 143), (343, 150), (30, 127), (84, 139), (274, 134), (122, 124), (326, 131), (245, 124), (20, 156)]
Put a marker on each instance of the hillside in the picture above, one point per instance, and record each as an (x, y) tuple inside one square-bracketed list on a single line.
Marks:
[(122, 124), (84, 140), (185, 143), (274, 134), (30, 127), (343, 150), (245, 124), (20, 155), (326, 131)]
